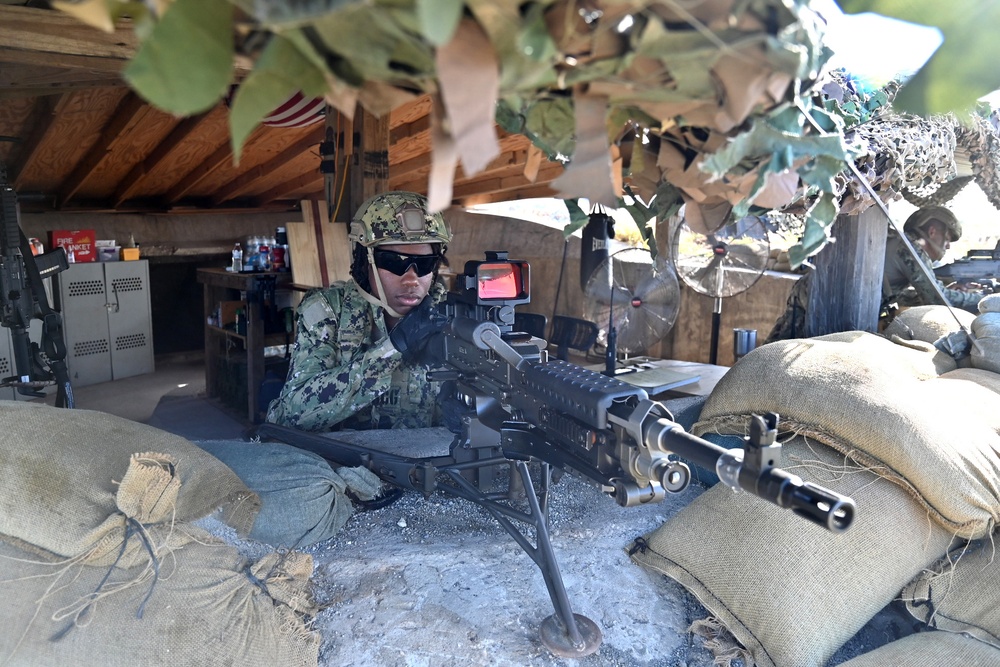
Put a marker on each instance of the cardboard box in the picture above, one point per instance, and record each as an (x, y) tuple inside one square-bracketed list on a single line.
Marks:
[(79, 242), (130, 254), (227, 312), (108, 254)]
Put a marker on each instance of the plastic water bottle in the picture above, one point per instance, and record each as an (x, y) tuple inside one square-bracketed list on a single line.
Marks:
[(237, 257)]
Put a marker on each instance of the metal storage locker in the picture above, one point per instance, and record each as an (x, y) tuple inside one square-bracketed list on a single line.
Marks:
[(84, 305), (107, 320), (7, 365), (129, 319)]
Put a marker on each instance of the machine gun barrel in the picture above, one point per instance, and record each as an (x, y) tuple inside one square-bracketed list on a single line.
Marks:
[(754, 473)]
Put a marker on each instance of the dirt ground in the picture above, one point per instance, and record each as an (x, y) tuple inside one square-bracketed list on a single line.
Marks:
[(438, 582)]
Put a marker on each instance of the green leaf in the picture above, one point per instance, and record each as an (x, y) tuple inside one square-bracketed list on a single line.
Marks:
[(816, 233), (438, 19), (577, 217), (553, 123), (281, 71), (185, 65)]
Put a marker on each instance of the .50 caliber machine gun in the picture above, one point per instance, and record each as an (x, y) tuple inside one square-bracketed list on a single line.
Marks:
[(524, 408), (23, 298)]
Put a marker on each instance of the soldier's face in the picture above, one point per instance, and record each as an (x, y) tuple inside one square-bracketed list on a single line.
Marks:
[(405, 292), (938, 241)]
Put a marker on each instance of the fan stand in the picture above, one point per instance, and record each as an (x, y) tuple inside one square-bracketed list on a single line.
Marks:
[(715, 270)]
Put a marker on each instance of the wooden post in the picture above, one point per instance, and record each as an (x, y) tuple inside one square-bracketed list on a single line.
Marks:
[(846, 288), (368, 173)]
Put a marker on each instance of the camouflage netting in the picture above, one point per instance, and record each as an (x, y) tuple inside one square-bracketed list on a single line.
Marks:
[(724, 106)]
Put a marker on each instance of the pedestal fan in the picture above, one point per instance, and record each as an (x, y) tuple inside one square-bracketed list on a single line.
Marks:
[(638, 296), (722, 263)]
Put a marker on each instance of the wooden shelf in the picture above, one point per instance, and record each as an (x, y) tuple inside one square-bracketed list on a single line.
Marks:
[(221, 285)]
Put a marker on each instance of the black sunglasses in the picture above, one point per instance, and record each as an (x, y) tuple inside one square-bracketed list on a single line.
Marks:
[(399, 263)]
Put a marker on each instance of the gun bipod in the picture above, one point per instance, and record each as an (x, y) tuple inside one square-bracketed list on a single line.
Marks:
[(565, 633)]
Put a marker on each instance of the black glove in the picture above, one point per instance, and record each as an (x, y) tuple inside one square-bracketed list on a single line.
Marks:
[(412, 334)]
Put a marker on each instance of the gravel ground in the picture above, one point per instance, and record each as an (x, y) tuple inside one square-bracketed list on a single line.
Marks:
[(437, 582)]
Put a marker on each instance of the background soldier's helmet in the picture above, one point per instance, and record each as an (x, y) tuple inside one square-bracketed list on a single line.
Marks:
[(398, 217), (921, 217)]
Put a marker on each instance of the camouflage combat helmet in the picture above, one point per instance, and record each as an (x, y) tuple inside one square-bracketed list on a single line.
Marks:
[(921, 217), (397, 217)]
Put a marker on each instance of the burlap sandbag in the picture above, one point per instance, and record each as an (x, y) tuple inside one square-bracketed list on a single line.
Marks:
[(961, 593), (790, 592), (987, 379), (930, 649), (303, 499), (928, 323), (985, 354), (204, 606), (74, 481), (936, 442)]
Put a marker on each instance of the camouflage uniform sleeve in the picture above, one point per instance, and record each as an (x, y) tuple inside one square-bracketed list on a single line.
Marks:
[(331, 375), (925, 289)]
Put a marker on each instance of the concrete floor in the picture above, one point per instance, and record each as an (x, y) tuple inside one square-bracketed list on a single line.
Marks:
[(171, 398)]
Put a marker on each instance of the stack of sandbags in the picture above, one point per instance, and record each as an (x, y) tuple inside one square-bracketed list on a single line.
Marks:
[(102, 567), (986, 329), (868, 419)]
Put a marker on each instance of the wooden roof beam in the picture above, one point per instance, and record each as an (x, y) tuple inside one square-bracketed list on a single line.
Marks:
[(130, 112), (56, 39), (247, 179), (288, 187), (44, 112), (144, 167), (207, 166)]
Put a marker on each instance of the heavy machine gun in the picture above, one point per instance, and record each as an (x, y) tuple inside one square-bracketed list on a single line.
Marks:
[(525, 409), (980, 266), (22, 299)]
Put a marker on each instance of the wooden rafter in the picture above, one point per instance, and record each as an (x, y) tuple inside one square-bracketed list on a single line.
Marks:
[(208, 165), (130, 112), (44, 112), (293, 185), (251, 176), (54, 39)]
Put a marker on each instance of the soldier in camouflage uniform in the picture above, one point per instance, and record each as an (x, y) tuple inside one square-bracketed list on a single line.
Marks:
[(354, 363), (931, 230)]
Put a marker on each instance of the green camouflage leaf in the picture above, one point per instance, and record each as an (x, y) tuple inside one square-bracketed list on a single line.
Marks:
[(281, 71), (553, 123), (438, 19), (577, 217), (185, 65), (816, 233)]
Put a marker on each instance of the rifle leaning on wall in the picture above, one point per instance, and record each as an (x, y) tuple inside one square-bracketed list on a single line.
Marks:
[(524, 408), (23, 298)]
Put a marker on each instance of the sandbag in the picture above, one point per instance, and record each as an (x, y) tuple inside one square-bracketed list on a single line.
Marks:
[(75, 481), (303, 499), (961, 593), (205, 605), (790, 592), (865, 399), (990, 304), (929, 649), (928, 323), (987, 379), (985, 354)]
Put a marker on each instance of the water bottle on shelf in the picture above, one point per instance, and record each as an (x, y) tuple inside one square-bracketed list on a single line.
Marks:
[(237, 258)]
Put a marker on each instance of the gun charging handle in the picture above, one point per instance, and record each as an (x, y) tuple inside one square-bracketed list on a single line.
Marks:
[(752, 469)]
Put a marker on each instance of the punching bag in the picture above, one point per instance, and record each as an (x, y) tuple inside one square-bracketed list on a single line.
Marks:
[(598, 231)]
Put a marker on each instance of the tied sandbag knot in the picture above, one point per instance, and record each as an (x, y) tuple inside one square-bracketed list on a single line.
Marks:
[(638, 546), (132, 527)]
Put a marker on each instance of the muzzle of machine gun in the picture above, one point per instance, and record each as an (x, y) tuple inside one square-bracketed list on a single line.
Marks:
[(753, 469)]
